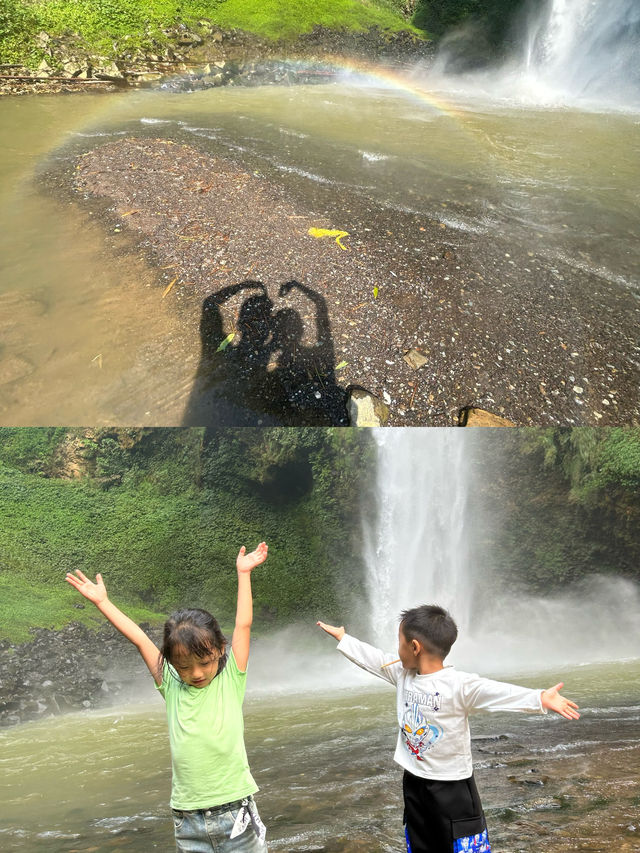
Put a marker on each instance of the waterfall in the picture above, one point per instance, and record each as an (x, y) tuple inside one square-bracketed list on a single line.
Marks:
[(422, 547), (417, 551), (585, 49), (583, 53)]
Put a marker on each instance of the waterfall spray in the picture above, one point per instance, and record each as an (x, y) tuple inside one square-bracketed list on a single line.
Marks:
[(583, 53)]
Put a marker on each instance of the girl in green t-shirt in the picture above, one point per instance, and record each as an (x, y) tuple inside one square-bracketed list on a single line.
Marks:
[(203, 685)]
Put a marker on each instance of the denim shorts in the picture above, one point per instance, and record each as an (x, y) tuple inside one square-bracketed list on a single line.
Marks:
[(209, 831)]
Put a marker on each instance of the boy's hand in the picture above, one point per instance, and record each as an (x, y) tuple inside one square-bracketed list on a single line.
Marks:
[(248, 562), (95, 592), (552, 700), (338, 633)]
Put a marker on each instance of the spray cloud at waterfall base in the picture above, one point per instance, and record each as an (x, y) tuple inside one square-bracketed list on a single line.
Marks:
[(421, 548), (575, 53)]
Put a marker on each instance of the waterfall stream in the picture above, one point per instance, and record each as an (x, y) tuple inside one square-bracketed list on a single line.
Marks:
[(582, 54), (418, 553), (586, 49), (424, 544)]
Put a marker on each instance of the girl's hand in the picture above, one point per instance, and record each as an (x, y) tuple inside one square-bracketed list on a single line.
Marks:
[(95, 592), (248, 562), (552, 700), (338, 633)]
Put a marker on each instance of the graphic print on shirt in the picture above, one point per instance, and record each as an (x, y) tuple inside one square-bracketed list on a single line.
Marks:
[(418, 733)]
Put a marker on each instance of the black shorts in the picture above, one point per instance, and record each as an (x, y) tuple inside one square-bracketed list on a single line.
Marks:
[(443, 817)]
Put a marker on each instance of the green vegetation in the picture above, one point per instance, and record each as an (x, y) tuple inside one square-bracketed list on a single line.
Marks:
[(564, 506), (162, 513), (114, 27), (278, 19), (492, 17)]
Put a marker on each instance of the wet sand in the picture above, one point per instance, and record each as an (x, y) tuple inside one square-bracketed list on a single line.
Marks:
[(500, 327)]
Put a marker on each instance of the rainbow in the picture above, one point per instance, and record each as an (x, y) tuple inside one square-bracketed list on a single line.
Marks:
[(398, 81)]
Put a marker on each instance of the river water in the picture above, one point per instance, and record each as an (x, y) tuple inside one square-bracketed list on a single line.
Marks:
[(99, 781), (87, 338)]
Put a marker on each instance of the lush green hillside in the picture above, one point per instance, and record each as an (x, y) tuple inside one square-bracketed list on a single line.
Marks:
[(151, 24), (162, 513)]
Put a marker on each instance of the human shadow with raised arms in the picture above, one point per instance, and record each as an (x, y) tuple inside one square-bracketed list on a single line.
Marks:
[(268, 374)]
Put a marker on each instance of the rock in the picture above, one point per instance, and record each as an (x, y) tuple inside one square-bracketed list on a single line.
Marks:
[(44, 69), (472, 417), (531, 780), (189, 39), (110, 71), (415, 359), (366, 410)]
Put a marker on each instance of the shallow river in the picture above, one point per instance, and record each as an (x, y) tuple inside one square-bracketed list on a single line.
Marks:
[(87, 331), (99, 781)]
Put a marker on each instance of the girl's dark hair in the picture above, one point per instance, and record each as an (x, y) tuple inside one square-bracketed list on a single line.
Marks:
[(196, 631), (432, 626)]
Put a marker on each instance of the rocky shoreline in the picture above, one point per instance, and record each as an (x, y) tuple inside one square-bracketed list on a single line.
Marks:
[(71, 669), (206, 59), (428, 323)]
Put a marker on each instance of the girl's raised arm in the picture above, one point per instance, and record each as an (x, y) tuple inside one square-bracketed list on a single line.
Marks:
[(96, 593), (241, 639)]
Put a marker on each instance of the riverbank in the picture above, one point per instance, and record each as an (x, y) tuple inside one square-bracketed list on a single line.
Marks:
[(428, 318), (209, 58)]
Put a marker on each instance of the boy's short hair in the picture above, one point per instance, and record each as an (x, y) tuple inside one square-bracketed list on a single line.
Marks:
[(432, 626)]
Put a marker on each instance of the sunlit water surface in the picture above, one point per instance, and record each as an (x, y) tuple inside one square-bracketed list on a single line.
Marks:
[(87, 337), (99, 781)]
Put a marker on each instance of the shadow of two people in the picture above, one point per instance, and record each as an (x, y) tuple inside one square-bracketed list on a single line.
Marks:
[(270, 376)]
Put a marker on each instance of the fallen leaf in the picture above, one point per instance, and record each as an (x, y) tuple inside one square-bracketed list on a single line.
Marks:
[(225, 343), (375, 292), (327, 232), (341, 365)]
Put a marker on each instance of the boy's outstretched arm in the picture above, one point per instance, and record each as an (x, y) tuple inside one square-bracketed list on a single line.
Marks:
[(553, 701), (338, 633), (241, 639), (97, 594)]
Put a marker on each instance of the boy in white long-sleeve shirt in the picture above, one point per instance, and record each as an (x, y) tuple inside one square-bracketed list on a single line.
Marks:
[(442, 809)]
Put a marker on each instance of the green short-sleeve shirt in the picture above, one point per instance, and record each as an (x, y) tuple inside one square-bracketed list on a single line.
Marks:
[(206, 734)]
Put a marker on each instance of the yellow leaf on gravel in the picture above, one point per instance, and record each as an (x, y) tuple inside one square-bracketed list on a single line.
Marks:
[(329, 232)]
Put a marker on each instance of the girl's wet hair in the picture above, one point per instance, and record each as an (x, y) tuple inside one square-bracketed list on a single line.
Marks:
[(197, 632)]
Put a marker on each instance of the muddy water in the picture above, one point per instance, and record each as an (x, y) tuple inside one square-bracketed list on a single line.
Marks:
[(87, 336), (100, 781)]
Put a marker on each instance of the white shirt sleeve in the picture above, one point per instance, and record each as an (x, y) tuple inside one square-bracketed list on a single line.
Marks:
[(484, 694), (370, 659)]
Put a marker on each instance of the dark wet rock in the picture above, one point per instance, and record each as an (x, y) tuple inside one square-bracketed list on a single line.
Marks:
[(65, 670), (532, 777)]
